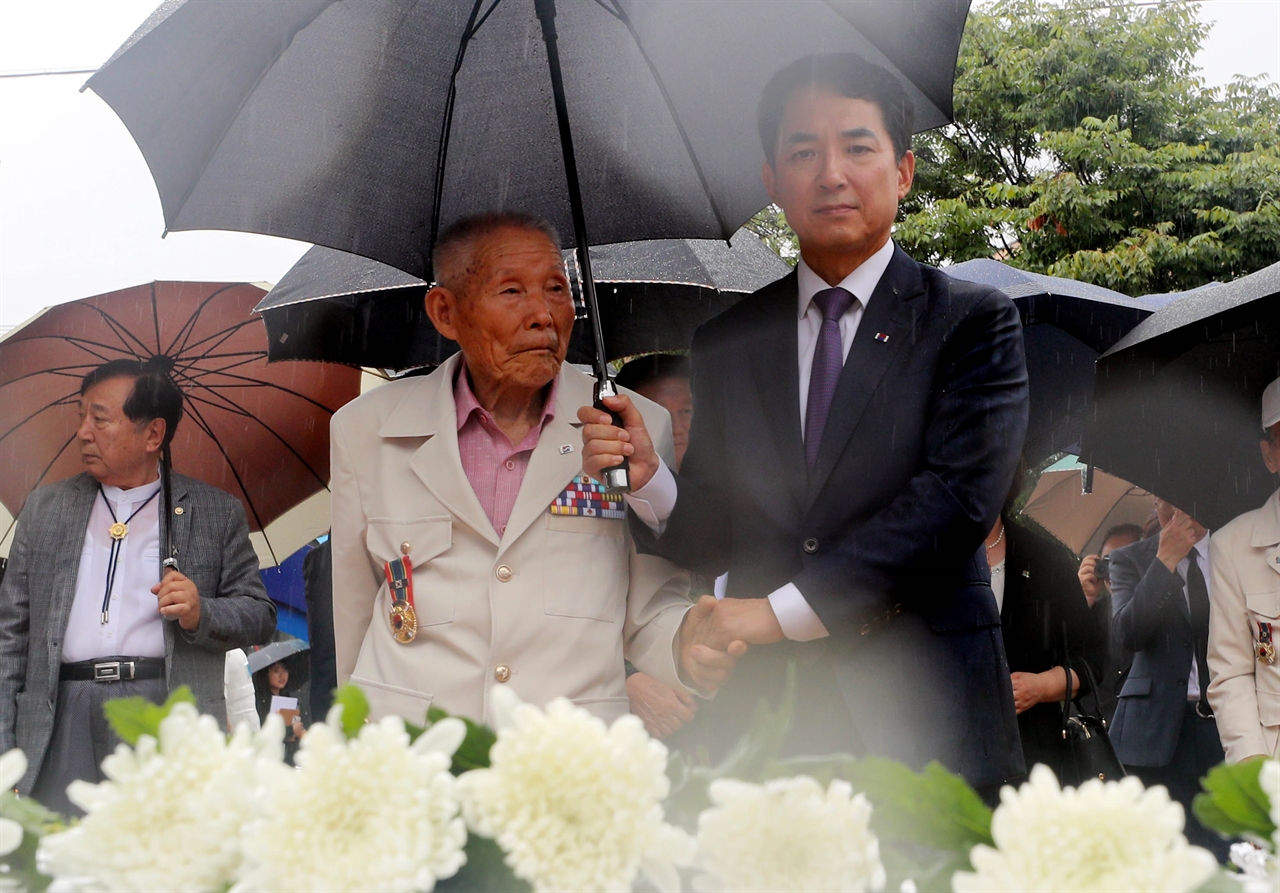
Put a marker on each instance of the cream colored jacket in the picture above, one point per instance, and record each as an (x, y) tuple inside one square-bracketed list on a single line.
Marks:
[(1244, 691), (550, 608)]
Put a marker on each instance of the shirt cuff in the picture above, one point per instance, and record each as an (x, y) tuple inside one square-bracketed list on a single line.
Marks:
[(654, 502), (798, 621)]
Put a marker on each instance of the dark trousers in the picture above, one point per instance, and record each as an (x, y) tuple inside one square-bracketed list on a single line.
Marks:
[(82, 738), (1199, 750)]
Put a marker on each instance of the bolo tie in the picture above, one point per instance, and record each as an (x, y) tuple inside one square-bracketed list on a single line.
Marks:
[(118, 531)]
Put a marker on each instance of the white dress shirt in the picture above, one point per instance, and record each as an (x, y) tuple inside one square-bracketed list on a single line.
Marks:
[(134, 626), (654, 502), (1202, 548)]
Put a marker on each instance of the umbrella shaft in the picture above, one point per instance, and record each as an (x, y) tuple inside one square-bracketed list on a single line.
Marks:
[(546, 10), (616, 478)]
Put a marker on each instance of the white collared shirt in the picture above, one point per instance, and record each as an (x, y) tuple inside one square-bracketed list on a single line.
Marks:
[(1202, 548), (134, 626), (654, 502)]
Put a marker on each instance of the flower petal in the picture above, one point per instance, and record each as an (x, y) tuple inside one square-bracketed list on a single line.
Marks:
[(445, 737), (13, 765), (10, 835)]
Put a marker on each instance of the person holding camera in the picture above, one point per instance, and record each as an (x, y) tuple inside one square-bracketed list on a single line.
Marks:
[(1094, 575)]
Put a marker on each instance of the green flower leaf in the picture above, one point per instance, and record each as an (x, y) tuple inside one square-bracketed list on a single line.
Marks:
[(1233, 802), (131, 718), (933, 808), (355, 708), (474, 750)]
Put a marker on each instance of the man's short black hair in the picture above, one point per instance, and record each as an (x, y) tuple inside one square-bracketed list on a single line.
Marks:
[(1132, 531), (650, 368), (154, 395), (848, 75)]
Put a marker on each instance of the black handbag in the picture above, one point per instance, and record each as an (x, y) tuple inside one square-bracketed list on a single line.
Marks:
[(1089, 752)]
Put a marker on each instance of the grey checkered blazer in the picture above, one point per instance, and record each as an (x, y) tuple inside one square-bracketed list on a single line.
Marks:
[(40, 584)]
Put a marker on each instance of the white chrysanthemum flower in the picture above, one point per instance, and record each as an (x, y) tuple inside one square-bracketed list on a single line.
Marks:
[(787, 834), (1269, 781), (1113, 835), (170, 813), (373, 813), (573, 804), (13, 765)]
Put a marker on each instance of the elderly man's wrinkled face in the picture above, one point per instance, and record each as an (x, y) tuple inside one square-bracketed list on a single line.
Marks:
[(512, 313)]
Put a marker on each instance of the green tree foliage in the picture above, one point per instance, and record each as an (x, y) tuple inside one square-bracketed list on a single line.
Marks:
[(1086, 146)]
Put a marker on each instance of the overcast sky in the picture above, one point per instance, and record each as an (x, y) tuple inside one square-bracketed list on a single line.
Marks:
[(79, 214)]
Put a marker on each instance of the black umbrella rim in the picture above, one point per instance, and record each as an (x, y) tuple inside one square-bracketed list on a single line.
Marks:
[(1204, 303)]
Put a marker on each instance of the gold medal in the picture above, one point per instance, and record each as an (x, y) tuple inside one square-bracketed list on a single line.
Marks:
[(404, 622), (1267, 652), (118, 530)]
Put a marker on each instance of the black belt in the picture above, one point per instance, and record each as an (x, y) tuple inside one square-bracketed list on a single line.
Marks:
[(113, 669)]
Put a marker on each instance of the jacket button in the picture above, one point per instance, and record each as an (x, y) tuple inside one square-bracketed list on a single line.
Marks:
[(502, 672), (897, 609), (811, 545), (866, 629), (404, 548), (504, 573)]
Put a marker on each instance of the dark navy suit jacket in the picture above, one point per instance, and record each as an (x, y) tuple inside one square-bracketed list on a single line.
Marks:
[(1151, 619), (884, 538)]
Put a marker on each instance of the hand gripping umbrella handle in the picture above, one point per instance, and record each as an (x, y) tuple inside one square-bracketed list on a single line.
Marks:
[(617, 478)]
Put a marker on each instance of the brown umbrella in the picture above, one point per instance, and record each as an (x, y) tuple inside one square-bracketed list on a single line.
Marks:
[(1078, 519), (257, 431)]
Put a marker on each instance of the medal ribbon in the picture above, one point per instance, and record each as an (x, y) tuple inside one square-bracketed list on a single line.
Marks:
[(400, 579), (117, 546)]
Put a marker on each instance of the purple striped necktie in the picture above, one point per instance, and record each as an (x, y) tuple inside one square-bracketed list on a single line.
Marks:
[(828, 360)]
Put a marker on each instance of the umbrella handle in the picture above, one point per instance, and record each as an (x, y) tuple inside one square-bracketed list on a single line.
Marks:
[(617, 478)]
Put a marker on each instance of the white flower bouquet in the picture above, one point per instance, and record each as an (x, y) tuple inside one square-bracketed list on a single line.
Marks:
[(557, 800)]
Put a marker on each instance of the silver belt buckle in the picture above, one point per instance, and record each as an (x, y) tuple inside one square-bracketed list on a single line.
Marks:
[(109, 671)]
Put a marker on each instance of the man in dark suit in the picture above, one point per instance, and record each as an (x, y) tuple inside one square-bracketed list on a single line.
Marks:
[(856, 428), (1164, 731), (88, 612)]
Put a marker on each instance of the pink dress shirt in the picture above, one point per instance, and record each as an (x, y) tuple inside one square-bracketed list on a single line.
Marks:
[(492, 464)]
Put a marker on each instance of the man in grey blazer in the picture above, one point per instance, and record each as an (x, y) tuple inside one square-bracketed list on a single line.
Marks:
[(91, 608), (1164, 730)]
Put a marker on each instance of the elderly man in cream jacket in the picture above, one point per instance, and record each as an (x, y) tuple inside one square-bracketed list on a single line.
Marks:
[(1244, 622), (469, 551)]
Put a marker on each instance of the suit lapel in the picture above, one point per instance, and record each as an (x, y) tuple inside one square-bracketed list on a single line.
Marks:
[(550, 470), (777, 378), (180, 513), (180, 519), (431, 412), (889, 314), (74, 518)]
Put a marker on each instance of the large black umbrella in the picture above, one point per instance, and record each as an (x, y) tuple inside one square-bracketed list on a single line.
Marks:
[(1178, 400), (345, 308), (365, 126), (1066, 326)]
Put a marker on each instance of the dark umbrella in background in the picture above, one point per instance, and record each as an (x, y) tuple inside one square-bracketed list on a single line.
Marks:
[(344, 308), (1066, 326), (257, 431), (1178, 400), (366, 126)]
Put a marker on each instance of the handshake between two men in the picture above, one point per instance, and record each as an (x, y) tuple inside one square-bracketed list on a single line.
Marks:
[(714, 633)]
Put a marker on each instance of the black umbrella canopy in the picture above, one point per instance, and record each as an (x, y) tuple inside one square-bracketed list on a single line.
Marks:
[(1066, 325), (1177, 400), (367, 126), (344, 308)]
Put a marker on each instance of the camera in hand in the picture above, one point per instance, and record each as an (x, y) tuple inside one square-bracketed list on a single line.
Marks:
[(1102, 569)]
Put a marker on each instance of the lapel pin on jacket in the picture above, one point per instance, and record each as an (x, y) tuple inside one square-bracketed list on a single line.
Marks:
[(566, 449), (882, 337)]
